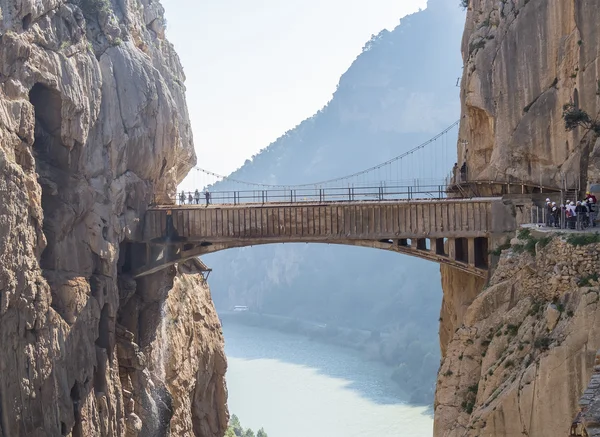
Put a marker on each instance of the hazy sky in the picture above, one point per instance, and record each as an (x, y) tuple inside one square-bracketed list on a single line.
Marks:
[(256, 68)]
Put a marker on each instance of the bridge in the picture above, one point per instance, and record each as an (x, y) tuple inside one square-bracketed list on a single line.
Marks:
[(456, 232), (430, 219)]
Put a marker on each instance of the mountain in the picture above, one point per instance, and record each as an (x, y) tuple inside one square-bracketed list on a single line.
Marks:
[(400, 91)]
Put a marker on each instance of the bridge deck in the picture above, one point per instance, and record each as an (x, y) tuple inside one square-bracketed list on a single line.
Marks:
[(324, 221), (451, 231)]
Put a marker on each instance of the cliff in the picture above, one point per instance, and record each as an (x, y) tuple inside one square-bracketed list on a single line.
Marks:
[(525, 351), (517, 355), (93, 126), (523, 60)]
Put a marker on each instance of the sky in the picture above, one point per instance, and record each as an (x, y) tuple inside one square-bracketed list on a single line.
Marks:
[(256, 69)]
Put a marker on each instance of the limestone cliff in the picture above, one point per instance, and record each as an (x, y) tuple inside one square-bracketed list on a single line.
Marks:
[(93, 126), (523, 60), (517, 355), (525, 350)]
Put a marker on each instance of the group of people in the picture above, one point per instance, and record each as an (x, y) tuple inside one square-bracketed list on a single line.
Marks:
[(572, 215), (193, 199)]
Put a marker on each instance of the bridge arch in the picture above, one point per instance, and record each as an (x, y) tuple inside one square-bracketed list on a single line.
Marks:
[(456, 232)]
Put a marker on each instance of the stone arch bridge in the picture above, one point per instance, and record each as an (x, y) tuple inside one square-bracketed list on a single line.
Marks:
[(456, 232)]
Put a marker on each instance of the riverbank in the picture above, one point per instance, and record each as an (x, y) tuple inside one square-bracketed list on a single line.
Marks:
[(412, 372)]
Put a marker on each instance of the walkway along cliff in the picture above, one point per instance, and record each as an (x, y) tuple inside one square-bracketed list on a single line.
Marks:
[(518, 354), (93, 125)]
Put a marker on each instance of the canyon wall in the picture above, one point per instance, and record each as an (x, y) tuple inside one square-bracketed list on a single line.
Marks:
[(523, 60), (518, 354), (93, 127), (525, 351)]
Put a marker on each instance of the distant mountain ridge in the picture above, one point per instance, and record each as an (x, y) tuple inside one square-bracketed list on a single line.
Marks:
[(400, 91)]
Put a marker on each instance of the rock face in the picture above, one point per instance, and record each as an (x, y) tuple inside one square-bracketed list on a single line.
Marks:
[(524, 59), (517, 356), (525, 350), (93, 126)]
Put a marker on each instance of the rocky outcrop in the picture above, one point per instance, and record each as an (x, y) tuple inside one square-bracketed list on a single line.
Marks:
[(189, 348), (93, 127), (525, 350), (523, 60)]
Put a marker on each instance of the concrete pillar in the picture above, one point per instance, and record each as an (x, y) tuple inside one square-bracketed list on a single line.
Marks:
[(452, 248), (471, 251)]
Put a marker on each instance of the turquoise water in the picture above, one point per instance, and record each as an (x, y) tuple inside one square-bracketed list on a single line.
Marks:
[(294, 387)]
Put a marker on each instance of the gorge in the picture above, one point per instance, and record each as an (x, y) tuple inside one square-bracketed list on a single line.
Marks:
[(94, 128)]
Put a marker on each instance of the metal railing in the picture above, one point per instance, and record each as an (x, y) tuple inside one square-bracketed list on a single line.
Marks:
[(580, 222), (314, 195)]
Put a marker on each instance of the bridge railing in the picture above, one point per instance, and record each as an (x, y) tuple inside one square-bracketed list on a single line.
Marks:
[(318, 195)]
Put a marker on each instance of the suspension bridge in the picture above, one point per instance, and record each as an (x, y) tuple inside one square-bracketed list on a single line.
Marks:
[(386, 206)]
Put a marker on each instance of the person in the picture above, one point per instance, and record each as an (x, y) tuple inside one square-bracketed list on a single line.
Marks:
[(454, 172), (182, 198), (197, 196), (571, 215), (190, 198), (591, 203), (548, 211), (555, 216), (207, 197), (463, 172), (584, 215), (590, 197)]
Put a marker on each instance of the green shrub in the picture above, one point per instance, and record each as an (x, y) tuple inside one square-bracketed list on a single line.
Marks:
[(524, 234), (585, 280), (583, 239), (575, 117), (468, 406), (464, 4), (512, 329), (542, 343), (498, 250), (91, 8), (473, 388)]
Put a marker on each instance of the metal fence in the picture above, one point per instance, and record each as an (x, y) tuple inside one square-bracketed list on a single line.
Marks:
[(582, 221), (312, 195)]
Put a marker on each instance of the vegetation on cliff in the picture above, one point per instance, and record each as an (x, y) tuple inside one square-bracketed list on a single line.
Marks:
[(236, 429)]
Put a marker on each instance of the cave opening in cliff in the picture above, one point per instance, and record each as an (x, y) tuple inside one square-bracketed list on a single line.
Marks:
[(26, 22)]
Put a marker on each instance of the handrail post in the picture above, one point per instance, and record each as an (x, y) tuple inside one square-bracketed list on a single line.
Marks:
[(349, 194)]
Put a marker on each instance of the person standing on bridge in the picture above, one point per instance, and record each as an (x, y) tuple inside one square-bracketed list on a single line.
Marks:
[(190, 198), (197, 196), (182, 198), (463, 172), (207, 197)]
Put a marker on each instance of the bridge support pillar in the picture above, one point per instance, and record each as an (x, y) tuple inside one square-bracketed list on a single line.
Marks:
[(471, 251), (452, 248)]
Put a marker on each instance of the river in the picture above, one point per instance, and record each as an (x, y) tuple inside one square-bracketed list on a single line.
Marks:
[(294, 387)]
